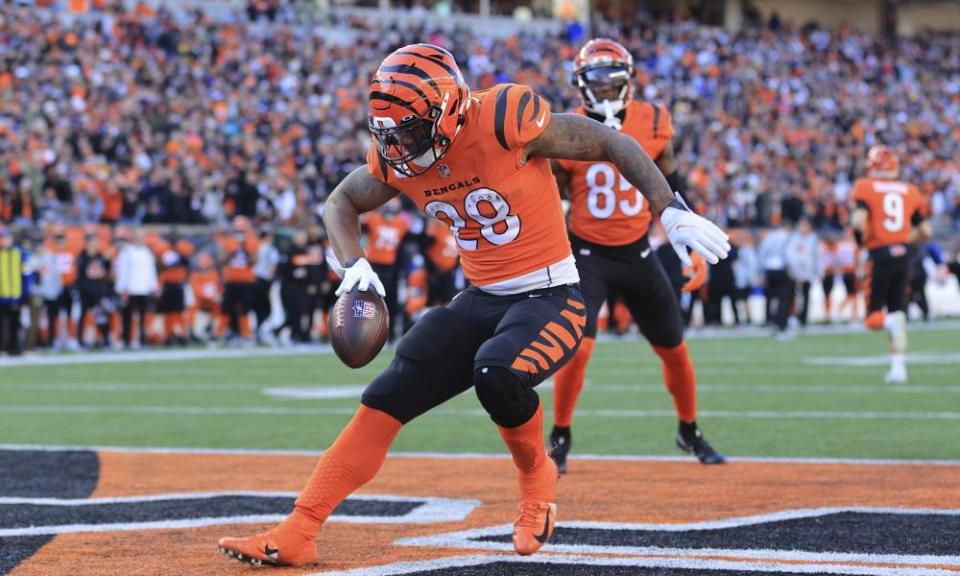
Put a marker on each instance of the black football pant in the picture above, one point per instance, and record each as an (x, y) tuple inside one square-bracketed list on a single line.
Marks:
[(261, 300), (888, 275), (295, 307), (503, 346), (635, 272), (136, 304), (237, 302), (10, 328), (779, 291)]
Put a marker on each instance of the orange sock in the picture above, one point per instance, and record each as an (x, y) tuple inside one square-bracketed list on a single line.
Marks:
[(680, 379), (567, 383), (536, 475), (245, 330), (875, 320), (351, 462)]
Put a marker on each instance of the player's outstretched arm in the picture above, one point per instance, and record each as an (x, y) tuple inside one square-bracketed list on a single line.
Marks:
[(359, 192), (577, 137)]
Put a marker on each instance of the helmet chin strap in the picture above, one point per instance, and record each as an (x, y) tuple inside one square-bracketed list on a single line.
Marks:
[(610, 110)]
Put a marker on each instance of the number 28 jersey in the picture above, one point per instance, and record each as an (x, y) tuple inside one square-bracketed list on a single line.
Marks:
[(505, 215), (893, 207), (604, 207)]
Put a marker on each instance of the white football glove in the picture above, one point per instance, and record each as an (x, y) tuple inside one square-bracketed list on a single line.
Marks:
[(686, 229), (363, 277)]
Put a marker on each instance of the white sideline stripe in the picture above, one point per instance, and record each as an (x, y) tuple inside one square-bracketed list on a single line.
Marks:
[(162, 355), (71, 502), (314, 393), (475, 412), (881, 360), (467, 539), (400, 568), (338, 391), (218, 353), (475, 455), (431, 511), (132, 526)]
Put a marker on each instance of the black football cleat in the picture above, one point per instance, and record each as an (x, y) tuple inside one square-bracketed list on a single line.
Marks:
[(690, 439), (560, 442)]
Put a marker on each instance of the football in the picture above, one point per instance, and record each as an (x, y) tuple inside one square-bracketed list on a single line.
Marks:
[(359, 325)]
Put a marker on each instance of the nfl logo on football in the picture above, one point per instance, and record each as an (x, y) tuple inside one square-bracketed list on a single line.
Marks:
[(363, 309)]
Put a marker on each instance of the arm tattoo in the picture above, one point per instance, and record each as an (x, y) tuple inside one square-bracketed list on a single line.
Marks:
[(577, 137), (359, 192)]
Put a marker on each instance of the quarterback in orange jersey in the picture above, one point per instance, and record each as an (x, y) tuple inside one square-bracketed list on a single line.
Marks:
[(479, 162), (609, 220), (887, 218)]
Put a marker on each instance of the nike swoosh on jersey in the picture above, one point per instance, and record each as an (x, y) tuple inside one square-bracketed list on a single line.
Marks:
[(540, 121), (645, 253)]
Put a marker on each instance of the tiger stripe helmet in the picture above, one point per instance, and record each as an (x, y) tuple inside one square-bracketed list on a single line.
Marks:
[(418, 98), (602, 71), (882, 162)]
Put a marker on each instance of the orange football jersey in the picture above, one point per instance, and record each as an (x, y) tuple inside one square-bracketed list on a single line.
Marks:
[(892, 206), (384, 238), (604, 207), (505, 215)]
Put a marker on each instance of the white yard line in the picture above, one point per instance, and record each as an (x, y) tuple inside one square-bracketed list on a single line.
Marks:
[(650, 563), (471, 412), (218, 353), (281, 452)]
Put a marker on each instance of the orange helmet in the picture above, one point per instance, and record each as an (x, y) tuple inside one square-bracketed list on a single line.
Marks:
[(882, 162), (417, 102), (602, 71)]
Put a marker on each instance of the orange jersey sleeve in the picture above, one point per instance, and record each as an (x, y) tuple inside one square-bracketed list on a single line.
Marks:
[(892, 208), (505, 216), (604, 207)]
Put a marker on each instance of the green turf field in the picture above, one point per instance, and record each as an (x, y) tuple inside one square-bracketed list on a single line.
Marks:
[(812, 396)]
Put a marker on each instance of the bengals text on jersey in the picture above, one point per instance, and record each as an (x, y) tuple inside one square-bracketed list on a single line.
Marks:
[(505, 214)]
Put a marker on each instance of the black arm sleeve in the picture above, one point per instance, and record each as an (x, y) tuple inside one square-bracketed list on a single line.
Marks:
[(679, 184)]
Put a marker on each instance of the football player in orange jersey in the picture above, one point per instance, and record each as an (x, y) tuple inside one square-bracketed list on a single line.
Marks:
[(887, 217), (609, 221), (479, 162)]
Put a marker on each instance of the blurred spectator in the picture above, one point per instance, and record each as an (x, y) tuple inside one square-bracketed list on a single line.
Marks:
[(46, 288), (14, 288), (265, 272), (746, 271), (95, 290), (803, 264), (778, 286), (139, 116), (136, 283)]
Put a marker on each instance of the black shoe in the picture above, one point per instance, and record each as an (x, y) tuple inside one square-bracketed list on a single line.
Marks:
[(690, 439), (560, 442)]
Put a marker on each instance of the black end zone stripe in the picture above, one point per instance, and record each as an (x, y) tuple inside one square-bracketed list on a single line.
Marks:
[(393, 100), (409, 69), (524, 100), (656, 120), (499, 116)]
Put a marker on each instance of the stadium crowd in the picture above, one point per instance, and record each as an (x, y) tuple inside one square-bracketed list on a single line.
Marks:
[(131, 118)]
